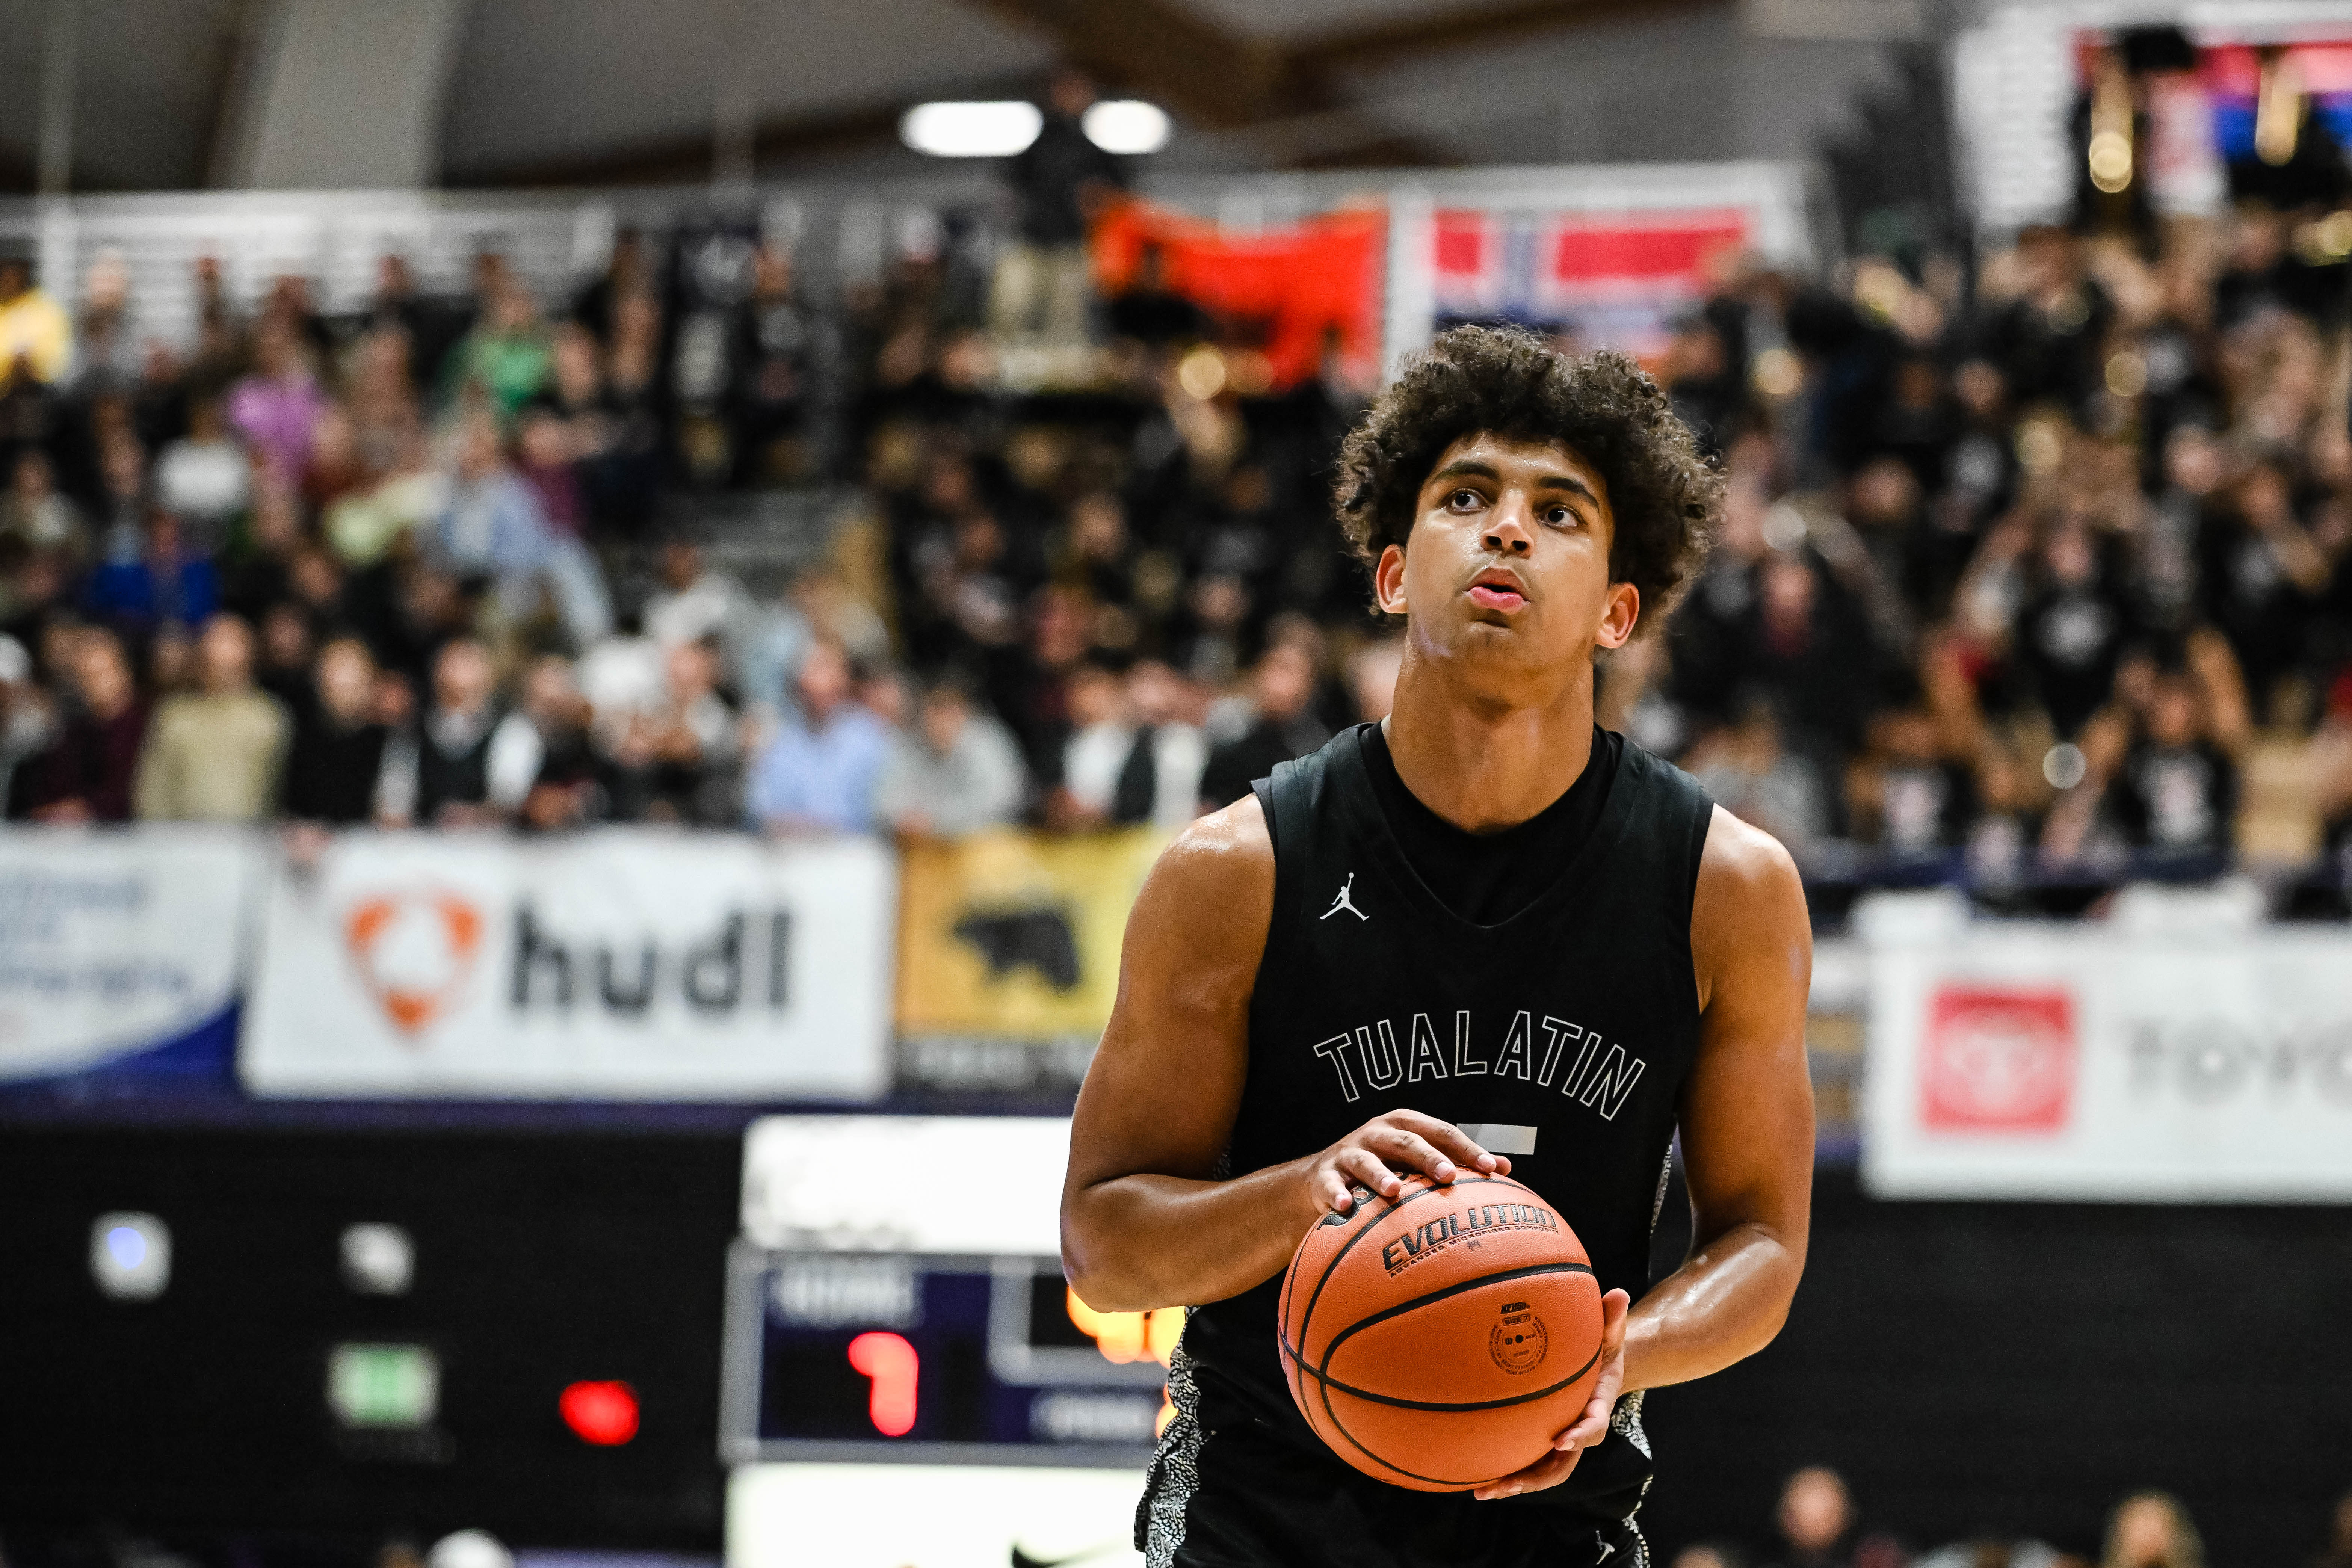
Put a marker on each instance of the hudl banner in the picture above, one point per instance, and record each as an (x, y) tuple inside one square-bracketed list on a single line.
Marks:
[(121, 953), (2084, 1063), (624, 963)]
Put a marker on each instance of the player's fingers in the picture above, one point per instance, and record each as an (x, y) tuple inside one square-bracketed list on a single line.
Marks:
[(1449, 1140), (1369, 1170), (1414, 1152), (1591, 1427), (1334, 1192), (1547, 1471)]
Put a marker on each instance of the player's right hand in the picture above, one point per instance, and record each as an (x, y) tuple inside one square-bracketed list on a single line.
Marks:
[(1371, 1156)]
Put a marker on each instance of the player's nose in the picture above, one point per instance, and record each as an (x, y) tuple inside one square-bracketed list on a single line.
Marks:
[(1510, 529)]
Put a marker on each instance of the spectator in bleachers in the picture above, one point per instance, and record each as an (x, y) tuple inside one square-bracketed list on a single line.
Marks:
[(2176, 791), (1160, 779), (36, 513), (214, 754), (151, 579), (2151, 1529), (775, 362), (1908, 796), (818, 774), (25, 718), (570, 788), (1816, 1518), (696, 601), (505, 356), (36, 335), (205, 478), (336, 758), (1372, 677), (954, 772), (1042, 285), (1101, 735), (276, 408), (1282, 725), (1749, 769), (91, 764), (493, 529), (677, 762), (468, 762)]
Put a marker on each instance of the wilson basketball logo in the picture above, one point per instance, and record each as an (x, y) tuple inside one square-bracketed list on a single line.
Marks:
[(1519, 1343), (1998, 1060), (413, 952)]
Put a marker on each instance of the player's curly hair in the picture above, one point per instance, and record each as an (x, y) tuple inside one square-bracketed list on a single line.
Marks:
[(1663, 494)]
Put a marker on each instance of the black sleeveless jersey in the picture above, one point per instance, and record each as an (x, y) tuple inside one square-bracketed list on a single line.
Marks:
[(1561, 1036)]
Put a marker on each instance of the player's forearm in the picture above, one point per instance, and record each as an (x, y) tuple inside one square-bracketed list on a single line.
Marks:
[(1724, 1304), (1139, 1243)]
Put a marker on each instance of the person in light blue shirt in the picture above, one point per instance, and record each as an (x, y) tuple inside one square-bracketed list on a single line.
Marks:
[(818, 776)]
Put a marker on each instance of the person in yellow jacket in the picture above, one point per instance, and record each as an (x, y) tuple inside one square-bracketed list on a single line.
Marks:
[(36, 335)]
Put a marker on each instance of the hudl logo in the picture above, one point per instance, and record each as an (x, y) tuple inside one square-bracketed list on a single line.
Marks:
[(1997, 1059), (415, 950)]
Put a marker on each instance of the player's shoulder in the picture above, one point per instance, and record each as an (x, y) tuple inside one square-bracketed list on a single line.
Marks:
[(1211, 893), (1229, 847), (1742, 862), (1747, 912)]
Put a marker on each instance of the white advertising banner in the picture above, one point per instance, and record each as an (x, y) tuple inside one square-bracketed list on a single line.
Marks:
[(117, 944), (624, 963), (2077, 1062)]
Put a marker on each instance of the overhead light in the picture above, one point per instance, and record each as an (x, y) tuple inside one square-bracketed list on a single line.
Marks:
[(1126, 125), (971, 129)]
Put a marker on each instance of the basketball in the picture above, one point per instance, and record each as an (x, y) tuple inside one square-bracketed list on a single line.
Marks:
[(1443, 1337)]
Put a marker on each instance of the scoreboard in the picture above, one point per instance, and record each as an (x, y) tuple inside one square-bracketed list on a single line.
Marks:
[(881, 1307), (839, 1356)]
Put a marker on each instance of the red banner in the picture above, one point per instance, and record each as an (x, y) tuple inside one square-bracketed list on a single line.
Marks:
[(1298, 284)]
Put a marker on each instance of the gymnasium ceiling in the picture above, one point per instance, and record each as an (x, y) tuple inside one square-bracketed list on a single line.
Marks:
[(624, 91)]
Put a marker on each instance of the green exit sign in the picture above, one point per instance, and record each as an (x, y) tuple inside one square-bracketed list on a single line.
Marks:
[(384, 1386)]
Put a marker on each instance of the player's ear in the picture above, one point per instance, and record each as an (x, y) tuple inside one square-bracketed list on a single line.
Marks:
[(1619, 616), (1388, 578)]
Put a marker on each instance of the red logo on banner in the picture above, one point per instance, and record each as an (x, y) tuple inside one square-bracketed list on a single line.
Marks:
[(413, 952), (1997, 1059)]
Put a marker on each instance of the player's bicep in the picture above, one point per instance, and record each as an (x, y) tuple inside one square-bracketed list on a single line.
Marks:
[(1748, 1109), (1162, 1093)]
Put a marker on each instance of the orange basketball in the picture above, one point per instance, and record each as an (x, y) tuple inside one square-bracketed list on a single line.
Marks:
[(1443, 1337)]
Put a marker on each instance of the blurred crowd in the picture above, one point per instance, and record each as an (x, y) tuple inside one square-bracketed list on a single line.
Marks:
[(2032, 567), (1817, 1525)]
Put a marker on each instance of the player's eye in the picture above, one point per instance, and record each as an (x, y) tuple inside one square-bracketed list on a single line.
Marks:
[(1560, 516), (1463, 500)]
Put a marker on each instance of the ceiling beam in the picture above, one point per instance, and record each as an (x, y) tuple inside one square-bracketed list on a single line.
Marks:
[(1213, 79), (1476, 27)]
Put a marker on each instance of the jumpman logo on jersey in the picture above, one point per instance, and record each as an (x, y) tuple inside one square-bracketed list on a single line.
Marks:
[(1344, 902)]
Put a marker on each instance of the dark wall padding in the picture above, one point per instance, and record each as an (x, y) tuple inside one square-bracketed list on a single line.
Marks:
[(542, 1259), (2019, 1368)]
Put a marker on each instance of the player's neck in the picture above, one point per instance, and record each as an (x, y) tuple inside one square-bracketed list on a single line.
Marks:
[(1486, 766)]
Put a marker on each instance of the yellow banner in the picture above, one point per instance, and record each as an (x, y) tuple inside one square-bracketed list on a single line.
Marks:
[(1016, 935)]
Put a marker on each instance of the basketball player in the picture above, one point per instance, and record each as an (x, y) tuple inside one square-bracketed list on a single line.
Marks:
[(1484, 936)]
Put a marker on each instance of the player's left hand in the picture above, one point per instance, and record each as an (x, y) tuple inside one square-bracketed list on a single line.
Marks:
[(1591, 1427)]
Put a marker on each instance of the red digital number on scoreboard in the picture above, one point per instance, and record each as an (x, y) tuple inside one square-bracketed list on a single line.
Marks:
[(889, 1363)]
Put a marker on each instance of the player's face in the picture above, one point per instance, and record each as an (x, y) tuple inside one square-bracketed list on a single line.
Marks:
[(1508, 565)]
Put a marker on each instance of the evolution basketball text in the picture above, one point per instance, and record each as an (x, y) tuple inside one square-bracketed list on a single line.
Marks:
[(1598, 1076), (1482, 1219)]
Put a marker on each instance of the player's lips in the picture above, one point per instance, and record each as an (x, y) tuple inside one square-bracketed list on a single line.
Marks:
[(1496, 589)]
